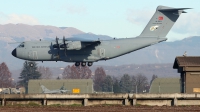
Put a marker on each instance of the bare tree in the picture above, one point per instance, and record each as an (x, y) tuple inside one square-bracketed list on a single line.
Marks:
[(5, 76), (99, 78), (74, 72), (45, 72), (139, 83)]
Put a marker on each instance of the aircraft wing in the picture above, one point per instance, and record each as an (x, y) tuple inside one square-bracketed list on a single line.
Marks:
[(77, 43), (82, 39)]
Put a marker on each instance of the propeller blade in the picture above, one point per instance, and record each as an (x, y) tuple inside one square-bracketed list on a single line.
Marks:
[(64, 40), (57, 40), (58, 46)]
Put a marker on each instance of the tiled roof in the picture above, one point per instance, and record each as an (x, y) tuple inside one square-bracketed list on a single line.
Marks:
[(182, 61)]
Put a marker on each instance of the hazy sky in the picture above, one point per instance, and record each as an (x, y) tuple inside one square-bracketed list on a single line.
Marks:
[(115, 18)]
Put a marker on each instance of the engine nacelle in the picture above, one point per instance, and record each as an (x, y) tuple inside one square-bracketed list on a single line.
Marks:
[(76, 45)]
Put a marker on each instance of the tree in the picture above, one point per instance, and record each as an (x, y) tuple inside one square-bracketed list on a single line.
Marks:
[(139, 83), (28, 73), (58, 78), (99, 77), (107, 85), (125, 84), (5, 76), (153, 77), (79, 72), (116, 86), (45, 72)]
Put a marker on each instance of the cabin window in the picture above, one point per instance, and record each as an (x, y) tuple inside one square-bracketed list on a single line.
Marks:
[(21, 45)]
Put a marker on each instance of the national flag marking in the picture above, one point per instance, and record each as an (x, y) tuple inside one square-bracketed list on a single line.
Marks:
[(160, 18)]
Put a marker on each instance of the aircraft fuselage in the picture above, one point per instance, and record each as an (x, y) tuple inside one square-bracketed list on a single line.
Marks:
[(44, 51)]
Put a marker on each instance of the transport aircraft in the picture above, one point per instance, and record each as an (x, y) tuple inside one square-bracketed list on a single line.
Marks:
[(86, 51)]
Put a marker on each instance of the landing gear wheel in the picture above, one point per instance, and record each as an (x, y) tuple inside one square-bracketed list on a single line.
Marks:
[(83, 64), (90, 63), (77, 64), (31, 64)]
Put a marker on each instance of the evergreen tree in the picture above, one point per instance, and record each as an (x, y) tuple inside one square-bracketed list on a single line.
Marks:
[(58, 78), (107, 85), (153, 77), (116, 86), (125, 84), (28, 73)]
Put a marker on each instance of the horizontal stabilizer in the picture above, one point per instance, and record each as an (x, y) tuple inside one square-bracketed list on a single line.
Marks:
[(173, 9)]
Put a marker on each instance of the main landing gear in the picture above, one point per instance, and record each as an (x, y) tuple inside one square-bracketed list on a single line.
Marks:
[(83, 64)]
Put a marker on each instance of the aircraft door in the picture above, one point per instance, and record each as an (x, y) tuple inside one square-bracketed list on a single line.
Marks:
[(32, 55), (102, 52), (35, 55)]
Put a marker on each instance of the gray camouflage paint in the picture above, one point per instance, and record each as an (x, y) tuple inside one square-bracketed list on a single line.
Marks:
[(155, 32)]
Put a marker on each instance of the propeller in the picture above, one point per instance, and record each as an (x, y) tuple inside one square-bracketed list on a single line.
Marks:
[(58, 46), (64, 45)]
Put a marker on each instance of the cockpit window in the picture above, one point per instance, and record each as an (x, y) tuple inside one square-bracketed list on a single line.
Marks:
[(21, 45)]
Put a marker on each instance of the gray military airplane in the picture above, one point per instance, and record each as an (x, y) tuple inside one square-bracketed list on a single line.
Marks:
[(61, 90), (84, 51)]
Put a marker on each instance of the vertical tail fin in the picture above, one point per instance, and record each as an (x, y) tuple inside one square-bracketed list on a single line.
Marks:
[(44, 89), (162, 21)]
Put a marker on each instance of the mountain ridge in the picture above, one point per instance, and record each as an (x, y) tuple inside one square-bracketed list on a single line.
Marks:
[(164, 52)]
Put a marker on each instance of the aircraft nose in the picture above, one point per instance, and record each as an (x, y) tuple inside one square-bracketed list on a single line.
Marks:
[(14, 53)]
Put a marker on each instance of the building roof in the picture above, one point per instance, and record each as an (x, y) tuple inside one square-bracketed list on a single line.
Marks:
[(165, 85), (181, 61)]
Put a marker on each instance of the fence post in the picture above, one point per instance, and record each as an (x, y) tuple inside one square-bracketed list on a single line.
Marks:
[(175, 102), (44, 102), (134, 101), (3, 102), (126, 101), (85, 102)]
